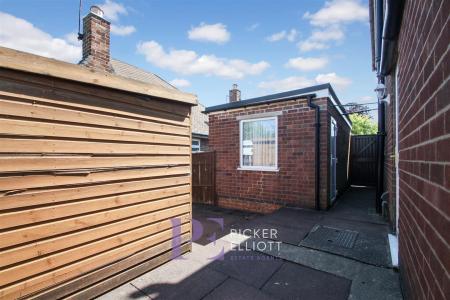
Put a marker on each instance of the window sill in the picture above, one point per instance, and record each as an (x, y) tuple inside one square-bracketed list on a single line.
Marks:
[(260, 169)]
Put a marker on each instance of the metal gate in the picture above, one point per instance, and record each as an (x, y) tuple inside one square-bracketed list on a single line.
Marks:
[(204, 177), (363, 160)]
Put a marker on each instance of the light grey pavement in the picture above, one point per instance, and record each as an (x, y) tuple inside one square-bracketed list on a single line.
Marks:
[(287, 265)]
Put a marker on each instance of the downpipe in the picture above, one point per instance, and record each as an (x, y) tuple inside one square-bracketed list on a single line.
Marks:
[(317, 151), (380, 155), (388, 29)]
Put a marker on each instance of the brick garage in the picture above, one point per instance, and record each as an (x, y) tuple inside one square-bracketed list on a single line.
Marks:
[(292, 183), (418, 86)]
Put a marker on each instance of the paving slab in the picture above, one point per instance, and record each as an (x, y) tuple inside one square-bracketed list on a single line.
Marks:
[(291, 225), (286, 271), (293, 217), (293, 281), (179, 279), (371, 244), (250, 267), (124, 292), (357, 203), (206, 254), (284, 233), (233, 289), (216, 222), (368, 282)]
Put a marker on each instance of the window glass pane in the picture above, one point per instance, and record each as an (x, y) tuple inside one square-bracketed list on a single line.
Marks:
[(258, 143), (195, 145)]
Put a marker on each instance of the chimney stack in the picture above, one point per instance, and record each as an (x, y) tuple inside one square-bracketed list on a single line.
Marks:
[(96, 31), (235, 94)]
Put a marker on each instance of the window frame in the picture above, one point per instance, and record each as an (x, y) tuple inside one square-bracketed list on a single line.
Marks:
[(199, 145), (257, 168)]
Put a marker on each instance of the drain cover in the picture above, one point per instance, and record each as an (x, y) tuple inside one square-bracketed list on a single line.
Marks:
[(324, 235)]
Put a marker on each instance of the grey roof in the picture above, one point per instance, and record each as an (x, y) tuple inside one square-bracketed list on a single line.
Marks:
[(289, 95), (199, 120), (129, 71)]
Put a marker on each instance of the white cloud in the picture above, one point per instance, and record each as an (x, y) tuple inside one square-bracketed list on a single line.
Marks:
[(309, 45), (297, 82), (334, 79), (72, 38), (216, 33), (20, 34), (290, 36), (289, 83), (319, 39), (366, 99), (332, 33), (179, 82), (331, 18), (122, 30), (252, 27), (188, 62), (112, 10), (339, 12), (277, 36), (307, 64)]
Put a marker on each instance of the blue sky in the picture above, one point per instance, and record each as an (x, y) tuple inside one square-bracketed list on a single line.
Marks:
[(206, 46)]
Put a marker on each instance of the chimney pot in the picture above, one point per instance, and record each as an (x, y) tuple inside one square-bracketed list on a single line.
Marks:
[(96, 45), (96, 11)]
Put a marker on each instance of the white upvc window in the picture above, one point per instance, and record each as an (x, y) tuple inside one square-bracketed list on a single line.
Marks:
[(196, 144), (259, 144)]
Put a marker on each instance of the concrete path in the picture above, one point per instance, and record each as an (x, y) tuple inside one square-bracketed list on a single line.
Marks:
[(287, 264)]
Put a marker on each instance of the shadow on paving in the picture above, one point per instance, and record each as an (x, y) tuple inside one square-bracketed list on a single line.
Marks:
[(353, 212), (210, 223), (291, 225), (370, 246), (234, 267), (357, 204), (242, 274)]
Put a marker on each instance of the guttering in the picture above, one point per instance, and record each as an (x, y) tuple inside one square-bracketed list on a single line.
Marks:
[(303, 93), (391, 29), (378, 31), (200, 135), (317, 151), (285, 96)]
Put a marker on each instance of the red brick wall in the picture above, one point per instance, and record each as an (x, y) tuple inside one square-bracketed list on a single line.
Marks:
[(424, 143), (96, 43), (263, 191)]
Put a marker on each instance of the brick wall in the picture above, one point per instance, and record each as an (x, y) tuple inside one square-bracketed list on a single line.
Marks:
[(424, 143), (263, 191), (96, 43)]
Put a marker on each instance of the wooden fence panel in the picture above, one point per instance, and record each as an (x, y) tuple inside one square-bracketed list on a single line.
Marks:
[(90, 179), (363, 160), (204, 177)]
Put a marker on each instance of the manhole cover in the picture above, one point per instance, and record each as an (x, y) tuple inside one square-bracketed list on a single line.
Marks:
[(323, 235)]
